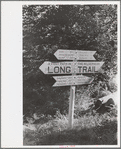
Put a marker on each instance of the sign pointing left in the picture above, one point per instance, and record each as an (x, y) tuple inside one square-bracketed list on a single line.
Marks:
[(70, 67), (72, 80)]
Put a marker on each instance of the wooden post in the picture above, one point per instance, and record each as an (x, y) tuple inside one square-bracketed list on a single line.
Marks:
[(72, 99), (71, 106)]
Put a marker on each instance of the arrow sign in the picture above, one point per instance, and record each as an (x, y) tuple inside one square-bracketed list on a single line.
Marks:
[(74, 54), (72, 80), (88, 67), (56, 67), (70, 67)]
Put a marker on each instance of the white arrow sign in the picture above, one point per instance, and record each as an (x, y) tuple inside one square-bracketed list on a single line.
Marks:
[(72, 80), (74, 54), (70, 67)]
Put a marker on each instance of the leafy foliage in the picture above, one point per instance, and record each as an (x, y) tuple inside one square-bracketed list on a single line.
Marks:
[(49, 27), (87, 130)]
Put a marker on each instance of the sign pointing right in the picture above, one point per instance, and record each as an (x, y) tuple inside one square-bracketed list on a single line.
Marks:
[(74, 54)]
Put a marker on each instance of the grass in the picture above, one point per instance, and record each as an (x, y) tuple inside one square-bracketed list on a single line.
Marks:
[(88, 128)]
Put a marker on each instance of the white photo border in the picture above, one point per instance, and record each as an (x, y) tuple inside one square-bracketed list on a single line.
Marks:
[(12, 74)]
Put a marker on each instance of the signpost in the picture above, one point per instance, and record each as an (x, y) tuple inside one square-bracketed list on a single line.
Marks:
[(72, 67), (71, 106)]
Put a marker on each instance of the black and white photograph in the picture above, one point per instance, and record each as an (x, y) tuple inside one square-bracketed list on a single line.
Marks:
[(70, 72)]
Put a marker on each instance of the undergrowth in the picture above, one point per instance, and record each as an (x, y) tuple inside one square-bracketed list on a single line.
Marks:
[(89, 127), (87, 130)]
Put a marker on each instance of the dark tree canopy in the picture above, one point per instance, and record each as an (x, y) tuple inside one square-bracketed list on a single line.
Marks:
[(47, 28)]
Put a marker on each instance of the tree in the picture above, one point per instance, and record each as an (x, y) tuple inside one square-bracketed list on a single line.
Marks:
[(49, 27)]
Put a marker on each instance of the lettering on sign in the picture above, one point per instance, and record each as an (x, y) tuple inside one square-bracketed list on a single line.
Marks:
[(71, 80), (74, 54), (70, 67)]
